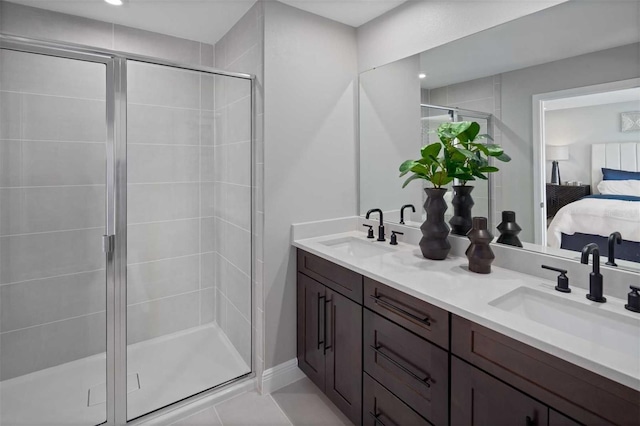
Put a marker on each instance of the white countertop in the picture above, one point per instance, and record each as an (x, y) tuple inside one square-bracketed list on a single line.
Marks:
[(449, 285)]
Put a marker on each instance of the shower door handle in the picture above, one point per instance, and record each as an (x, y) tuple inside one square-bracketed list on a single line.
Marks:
[(108, 243)]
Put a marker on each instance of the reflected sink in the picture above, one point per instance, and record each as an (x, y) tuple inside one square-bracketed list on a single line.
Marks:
[(356, 247), (607, 329)]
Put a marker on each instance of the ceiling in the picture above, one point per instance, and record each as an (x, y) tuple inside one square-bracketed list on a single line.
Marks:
[(604, 98), (205, 20), (541, 37)]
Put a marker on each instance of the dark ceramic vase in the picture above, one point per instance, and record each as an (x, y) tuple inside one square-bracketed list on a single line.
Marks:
[(479, 252), (462, 204), (509, 229), (434, 243)]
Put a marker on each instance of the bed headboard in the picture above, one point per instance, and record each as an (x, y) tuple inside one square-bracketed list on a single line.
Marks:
[(621, 156)]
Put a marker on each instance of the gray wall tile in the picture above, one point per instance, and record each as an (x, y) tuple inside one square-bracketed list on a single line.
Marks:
[(221, 309), (51, 299), (207, 127), (238, 247), (207, 234), (43, 24), (34, 256), (239, 163), (238, 206), (155, 241), (62, 119), (148, 124), (162, 201), (10, 115), (239, 333), (162, 163), (27, 210), (159, 317), (206, 91), (162, 278), (237, 286), (44, 346), (52, 163), (157, 45), (160, 85), (471, 90), (208, 270), (239, 121), (207, 55), (49, 75), (242, 36), (207, 305), (207, 198)]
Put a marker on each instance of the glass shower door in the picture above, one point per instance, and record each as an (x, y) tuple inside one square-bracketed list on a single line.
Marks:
[(53, 146), (188, 233)]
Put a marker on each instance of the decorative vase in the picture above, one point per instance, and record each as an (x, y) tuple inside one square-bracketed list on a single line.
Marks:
[(434, 243), (462, 203), (479, 252), (509, 229)]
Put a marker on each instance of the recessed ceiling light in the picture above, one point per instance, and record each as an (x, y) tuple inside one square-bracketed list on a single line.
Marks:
[(115, 2), (421, 75)]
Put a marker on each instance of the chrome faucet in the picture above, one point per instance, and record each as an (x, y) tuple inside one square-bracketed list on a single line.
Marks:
[(406, 206), (381, 227), (595, 278), (614, 238)]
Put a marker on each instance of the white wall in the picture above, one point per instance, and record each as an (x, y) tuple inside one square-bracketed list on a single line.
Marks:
[(417, 26), (390, 133), (580, 128), (310, 154)]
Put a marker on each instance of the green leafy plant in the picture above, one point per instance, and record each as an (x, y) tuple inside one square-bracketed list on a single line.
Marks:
[(459, 155)]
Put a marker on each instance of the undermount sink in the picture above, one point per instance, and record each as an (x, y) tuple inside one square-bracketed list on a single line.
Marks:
[(610, 330), (356, 247)]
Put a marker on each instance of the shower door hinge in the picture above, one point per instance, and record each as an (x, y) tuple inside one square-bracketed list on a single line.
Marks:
[(108, 243)]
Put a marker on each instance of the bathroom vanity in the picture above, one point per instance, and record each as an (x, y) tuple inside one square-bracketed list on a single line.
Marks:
[(395, 339)]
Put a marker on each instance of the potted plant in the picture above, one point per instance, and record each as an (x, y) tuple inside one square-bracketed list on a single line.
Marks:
[(431, 167), (466, 158)]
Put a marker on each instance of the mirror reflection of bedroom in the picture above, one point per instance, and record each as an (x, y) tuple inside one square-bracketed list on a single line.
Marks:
[(590, 142)]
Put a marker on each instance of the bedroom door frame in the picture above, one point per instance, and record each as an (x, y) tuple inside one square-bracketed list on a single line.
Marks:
[(539, 162)]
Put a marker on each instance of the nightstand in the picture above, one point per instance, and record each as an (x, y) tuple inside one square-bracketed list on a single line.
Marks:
[(559, 196)]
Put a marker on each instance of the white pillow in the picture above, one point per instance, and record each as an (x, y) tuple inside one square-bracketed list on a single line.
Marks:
[(620, 187)]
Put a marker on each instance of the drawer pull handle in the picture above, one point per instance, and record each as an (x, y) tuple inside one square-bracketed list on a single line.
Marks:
[(321, 335), (376, 419), (401, 367), (529, 421), (426, 321)]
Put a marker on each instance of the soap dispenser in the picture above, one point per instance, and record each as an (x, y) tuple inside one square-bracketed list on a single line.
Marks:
[(633, 299)]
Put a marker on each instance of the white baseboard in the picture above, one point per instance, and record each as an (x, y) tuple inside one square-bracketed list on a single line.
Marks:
[(280, 376)]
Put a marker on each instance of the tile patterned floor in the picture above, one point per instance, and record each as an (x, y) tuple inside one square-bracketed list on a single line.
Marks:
[(299, 404)]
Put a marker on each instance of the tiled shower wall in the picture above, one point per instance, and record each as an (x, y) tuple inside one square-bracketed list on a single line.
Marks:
[(240, 50), (172, 253)]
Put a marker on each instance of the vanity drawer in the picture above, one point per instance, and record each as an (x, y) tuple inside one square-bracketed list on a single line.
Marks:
[(382, 408), (578, 393), (410, 367), (342, 280), (415, 315)]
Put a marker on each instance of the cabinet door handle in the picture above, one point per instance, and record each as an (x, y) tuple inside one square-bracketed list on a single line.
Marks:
[(529, 421), (331, 325), (420, 380), (426, 321), (376, 419), (320, 335)]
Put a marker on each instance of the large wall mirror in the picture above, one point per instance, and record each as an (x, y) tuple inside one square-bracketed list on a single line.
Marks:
[(559, 90)]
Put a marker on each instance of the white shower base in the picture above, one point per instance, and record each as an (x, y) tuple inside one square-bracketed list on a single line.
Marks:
[(169, 369)]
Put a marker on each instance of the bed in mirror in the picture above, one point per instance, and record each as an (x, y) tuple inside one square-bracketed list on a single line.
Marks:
[(563, 103)]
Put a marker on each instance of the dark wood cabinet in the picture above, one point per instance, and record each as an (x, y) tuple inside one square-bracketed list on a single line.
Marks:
[(384, 357), (311, 329), (329, 343), (343, 355), (477, 399)]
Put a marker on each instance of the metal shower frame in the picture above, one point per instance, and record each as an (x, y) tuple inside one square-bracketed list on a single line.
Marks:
[(115, 240)]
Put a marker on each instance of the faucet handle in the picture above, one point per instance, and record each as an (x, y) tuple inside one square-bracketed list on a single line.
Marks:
[(563, 281), (394, 237), (370, 231), (633, 299)]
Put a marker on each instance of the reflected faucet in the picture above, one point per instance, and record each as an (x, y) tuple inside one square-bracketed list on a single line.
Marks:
[(381, 227), (614, 238), (595, 278), (413, 209)]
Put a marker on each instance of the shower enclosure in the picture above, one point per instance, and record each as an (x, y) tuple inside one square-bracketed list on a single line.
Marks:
[(125, 233)]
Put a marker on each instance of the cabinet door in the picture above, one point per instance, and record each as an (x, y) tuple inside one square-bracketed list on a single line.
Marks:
[(558, 419), (382, 408), (478, 399), (343, 358), (311, 331)]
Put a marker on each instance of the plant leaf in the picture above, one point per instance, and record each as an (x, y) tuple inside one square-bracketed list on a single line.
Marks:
[(432, 150), (412, 177), (488, 169), (504, 157)]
